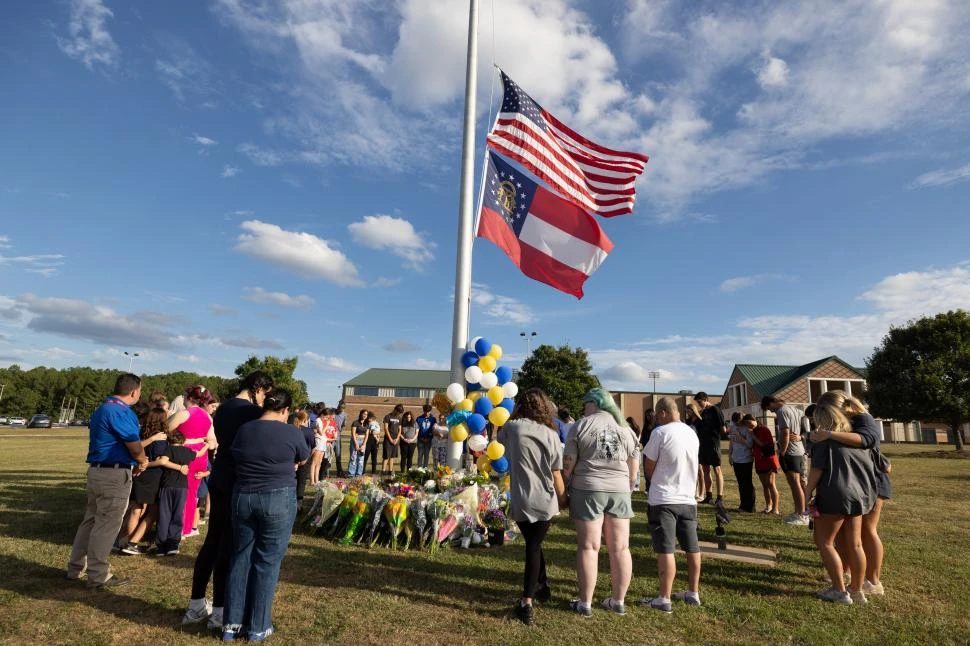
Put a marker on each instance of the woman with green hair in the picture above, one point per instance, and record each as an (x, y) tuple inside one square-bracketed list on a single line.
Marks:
[(600, 466)]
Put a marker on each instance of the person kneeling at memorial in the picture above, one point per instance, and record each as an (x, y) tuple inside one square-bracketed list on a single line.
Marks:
[(671, 463), (266, 452)]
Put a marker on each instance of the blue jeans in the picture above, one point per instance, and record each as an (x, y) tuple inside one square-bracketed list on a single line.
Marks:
[(262, 522), (355, 467)]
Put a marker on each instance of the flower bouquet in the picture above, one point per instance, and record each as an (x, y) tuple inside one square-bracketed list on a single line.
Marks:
[(327, 501), (495, 522), (396, 513), (344, 511), (361, 511), (380, 502)]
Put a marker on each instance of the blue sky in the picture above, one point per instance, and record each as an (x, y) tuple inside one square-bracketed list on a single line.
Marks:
[(199, 181)]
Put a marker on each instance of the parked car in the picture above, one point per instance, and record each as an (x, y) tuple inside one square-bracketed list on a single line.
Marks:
[(17, 421), (4, 419), (39, 421), (79, 422)]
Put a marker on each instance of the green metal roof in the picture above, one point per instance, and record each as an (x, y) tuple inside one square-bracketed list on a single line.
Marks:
[(768, 380), (402, 378)]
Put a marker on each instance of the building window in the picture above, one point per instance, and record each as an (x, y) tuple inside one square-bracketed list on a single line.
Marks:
[(365, 391), (854, 387), (738, 395), (407, 392)]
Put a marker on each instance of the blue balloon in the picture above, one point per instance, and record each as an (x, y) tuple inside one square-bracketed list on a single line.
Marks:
[(483, 407), (457, 417), (504, 374), (472, 387), (469, 359), (476, 423), (508, 404), (482, 347), (501, 465)]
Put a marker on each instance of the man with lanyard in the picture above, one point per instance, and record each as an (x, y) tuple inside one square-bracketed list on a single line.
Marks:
[(115, 455), (425, 423), (341, 419)]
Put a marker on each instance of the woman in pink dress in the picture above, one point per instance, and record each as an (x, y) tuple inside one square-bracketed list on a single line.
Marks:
[(196, 425)]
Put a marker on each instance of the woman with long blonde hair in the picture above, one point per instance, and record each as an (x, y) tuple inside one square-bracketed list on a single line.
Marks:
[(843, 482), (865, 434)]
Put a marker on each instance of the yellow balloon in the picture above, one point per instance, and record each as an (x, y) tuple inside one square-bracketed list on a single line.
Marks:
[(495, 352), (459, 433), (495, 450), (475, 395), (484, 465), (498, 416), (506, 482), (465, 404), (496, 395), (487, 363)]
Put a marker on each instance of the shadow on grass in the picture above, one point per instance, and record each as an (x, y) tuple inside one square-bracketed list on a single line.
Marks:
[(42, 511), (42, 582)]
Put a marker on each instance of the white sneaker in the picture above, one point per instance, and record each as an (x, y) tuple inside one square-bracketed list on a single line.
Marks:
[(199, 610), (858, 597), (194, 532), (688, 597), (835, 596), (797, 520), (874, 589), (215, 620)]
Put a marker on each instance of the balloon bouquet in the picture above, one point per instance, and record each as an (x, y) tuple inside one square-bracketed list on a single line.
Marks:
[(487, 396)]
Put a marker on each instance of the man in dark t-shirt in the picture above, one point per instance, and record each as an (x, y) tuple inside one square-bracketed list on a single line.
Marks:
[(709, 432)]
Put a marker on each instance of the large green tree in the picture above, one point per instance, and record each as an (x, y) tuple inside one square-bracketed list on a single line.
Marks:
[(281, 370), (564, 373), (922, 372)]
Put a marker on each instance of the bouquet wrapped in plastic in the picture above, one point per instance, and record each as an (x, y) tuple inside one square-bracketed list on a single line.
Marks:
[(396, 513), (380, 501), (328, 499), (418, 518), (357, 519)]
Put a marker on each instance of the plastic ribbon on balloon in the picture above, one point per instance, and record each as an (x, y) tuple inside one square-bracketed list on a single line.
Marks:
[(457, 417)]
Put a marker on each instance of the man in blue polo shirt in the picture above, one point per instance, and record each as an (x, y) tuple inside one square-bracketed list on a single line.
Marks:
[(115, 455)]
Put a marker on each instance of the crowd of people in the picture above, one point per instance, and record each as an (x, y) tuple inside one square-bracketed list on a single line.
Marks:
[(242, 466)]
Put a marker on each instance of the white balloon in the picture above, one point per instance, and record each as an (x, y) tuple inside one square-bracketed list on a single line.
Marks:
[(488, 380), (477, 443), (471, 344), (473, 374), (510, 389), (455, 392)]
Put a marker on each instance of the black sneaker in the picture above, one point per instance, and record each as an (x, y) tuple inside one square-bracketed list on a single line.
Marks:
[(706, 500), (112, 582), (525, 614), (543, 594), (131, 549)]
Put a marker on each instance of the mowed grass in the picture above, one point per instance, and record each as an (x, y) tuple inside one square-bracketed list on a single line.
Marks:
[(352, 595)]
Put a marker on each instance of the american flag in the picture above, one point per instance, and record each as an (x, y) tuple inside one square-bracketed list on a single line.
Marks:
[(593, 177)]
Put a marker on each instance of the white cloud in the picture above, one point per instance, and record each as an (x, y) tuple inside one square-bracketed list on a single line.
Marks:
[(230, 171), (329, 363), (205, 142), (741, 282), (260, 296), (251, 343), (187, 74), (45, 264), (189, 358), (791, 339), (384, 281), (396, 235), (501, 309), (5, 242), (46, 272), (852, 68), (301, 253), (429, 364), (89, 40), (774, 73), (221, 310), (942, 177), (401, 345)]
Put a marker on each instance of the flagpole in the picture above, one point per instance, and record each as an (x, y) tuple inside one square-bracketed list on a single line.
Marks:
[(463, 261), (463, 266)]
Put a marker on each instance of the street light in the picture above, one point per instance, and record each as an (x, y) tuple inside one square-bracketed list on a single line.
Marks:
[(131, 358), (653, 374), (528, 339)]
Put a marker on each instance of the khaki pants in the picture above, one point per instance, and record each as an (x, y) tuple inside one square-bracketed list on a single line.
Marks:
[(108, 491)]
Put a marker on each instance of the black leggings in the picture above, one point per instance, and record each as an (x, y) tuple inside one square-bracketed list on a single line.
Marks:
[(742, 471), (407, 456), (213, 558), (535, 560), (370, 451)]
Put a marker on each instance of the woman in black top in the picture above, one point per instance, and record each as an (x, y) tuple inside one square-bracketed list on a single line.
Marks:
[(409, 440), (358, 444), (842, 480), (392, 439), (213, 558), (266, 452)]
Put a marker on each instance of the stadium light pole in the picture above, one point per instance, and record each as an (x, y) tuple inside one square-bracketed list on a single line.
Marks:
[(131, 358), (528, 340), (653, 374)]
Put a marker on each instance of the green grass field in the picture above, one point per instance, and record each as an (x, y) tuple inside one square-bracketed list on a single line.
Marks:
[(329, 593)]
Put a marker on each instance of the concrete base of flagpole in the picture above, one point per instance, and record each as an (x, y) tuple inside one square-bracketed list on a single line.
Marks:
[(454, 454)]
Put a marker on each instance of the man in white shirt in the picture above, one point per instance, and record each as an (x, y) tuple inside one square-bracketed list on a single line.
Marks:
[(671, 463)]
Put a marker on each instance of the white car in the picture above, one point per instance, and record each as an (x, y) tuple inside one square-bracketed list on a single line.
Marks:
[(17, 421)]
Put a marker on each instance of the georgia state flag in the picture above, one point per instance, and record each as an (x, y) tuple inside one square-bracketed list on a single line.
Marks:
[(549, 239)]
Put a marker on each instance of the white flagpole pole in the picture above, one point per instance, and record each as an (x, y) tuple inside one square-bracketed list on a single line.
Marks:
[(463, 264)]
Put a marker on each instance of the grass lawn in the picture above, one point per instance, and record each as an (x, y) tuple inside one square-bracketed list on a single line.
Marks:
[(351, 595)]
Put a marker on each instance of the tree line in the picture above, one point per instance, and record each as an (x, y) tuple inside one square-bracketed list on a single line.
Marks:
[(45, 390)]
